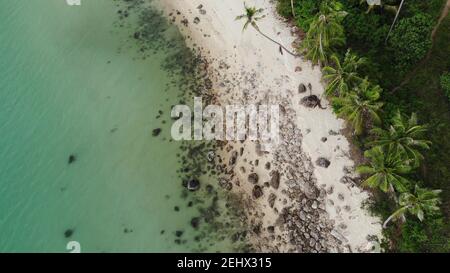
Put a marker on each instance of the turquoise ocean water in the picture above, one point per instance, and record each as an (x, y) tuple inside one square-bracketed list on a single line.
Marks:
[(72, 82)]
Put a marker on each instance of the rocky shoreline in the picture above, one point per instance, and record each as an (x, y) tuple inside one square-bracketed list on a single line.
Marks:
[(300, 195)]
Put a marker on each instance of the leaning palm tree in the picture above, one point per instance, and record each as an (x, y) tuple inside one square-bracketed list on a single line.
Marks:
[(325, 32), (379, 3), (403, 136), (395, 20), (292, 8), (386, 170), (361, 107), (252, 15), (341, 78), (421, 202)]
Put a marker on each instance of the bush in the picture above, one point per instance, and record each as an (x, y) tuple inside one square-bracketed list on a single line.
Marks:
[(410, 41), (365, 30), (445, 83), (427, 236), (305, 10)]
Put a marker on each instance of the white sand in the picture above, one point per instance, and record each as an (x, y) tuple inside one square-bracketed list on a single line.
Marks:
[(276, 81)]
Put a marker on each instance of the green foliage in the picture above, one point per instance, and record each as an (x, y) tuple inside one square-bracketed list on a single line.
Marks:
[(422, 201), (404, 136), (325, 33), (429, 236), (305, 10), (445, 83), (410, 41), (341, 78), (386, 65), (361, 107), (366, 29), (386, 170)]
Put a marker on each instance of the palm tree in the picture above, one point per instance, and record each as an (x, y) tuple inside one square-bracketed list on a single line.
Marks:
[(252, 15), (395, 20), (325, 32), (421, 202), (342, 77), (385, 170), (292, 8), (373, 3), (361, 107), (403, 136)]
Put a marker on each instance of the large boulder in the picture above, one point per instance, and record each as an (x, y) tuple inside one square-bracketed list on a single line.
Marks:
[(257, 192), (275, 179), (253, 178), (323, 162), (193, 185)]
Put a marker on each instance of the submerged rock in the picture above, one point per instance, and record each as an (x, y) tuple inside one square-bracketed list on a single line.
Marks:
[(68, 233), (156, 132), (72, 159), (193, 185), (224, 183), (195, 222)]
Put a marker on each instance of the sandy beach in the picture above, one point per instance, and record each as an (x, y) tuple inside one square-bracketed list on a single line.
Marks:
[(301, 195)]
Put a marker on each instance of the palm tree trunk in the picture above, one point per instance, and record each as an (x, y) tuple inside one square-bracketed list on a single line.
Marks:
[(395, 214), (395, 20), (292, 8), (272, 40), (392, 191)]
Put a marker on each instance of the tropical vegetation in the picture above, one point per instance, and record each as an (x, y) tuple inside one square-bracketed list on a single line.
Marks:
[(392, 79)]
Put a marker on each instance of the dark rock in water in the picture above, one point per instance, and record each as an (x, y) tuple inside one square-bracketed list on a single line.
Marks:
[(301, 88), (271, 199), (209, 189), (162, 231), (68, 233), (190, 204), (179, 233), (185, 22), (156, 132), (176, 208), (72, 159), (323, 162), (257, 192), (311, 101), (196, 20), (253, 178), (275, 179), (193, 185), (126, 230), (137, 35), (195, 222), (223, 183), (257, 228)]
